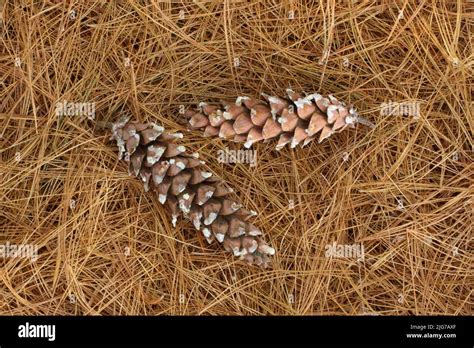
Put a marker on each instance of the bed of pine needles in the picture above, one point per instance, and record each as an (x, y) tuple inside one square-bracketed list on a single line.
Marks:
[(404, 190)]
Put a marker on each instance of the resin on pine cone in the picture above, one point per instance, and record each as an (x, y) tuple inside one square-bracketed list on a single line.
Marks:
[(294, 120), (183, 184)]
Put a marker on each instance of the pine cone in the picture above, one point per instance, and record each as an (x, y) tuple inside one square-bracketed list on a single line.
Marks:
[(294, 120), (186, 188)]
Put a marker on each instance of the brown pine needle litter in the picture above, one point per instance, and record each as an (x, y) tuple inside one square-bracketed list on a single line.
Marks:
[(371, 221)]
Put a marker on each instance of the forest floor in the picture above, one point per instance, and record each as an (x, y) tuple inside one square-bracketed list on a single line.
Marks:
[(401, 194)]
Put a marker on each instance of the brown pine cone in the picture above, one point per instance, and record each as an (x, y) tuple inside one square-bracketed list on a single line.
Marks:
[(187, 188), (295, 120)]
